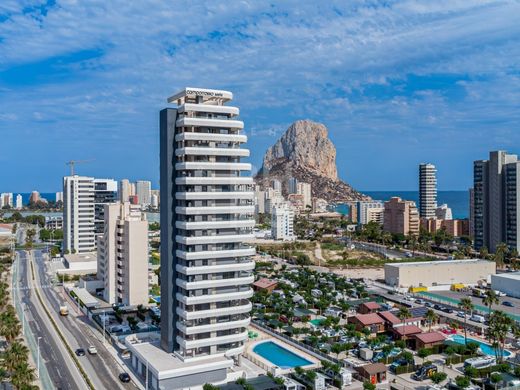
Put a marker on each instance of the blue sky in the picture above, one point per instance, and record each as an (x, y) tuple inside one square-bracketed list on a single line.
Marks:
[(396, 82)]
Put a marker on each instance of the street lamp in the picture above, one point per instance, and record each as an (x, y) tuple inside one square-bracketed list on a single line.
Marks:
[(23, 319), (38, 358)]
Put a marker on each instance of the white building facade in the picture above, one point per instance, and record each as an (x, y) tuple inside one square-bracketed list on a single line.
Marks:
[(304, 189), (123, 255), (282, 222), (19, 202), (427, 190), (78, 214), (206, 267), (143, 190)]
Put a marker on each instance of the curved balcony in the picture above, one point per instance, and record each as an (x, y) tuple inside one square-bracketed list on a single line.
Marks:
[(209, 122), (215, 195), (214, 297), (210, 269), (215, 210), (215, 283), (189, 344), (216, 239), (211, 137), (223, 311), (213, 327), (196, 151), (246, 223), (213, 166), (215, 254), (214, 180), (214, 109)]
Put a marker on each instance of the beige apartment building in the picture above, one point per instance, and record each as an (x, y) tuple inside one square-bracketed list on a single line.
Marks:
[(123, 255), (401, 217)]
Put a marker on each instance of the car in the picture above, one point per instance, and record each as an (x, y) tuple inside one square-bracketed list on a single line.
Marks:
[(508, 304), (124, 377), (447, 310), (437, 307), (92, 350), (80, 352), (428, 304), (424, 372), (461, 314)]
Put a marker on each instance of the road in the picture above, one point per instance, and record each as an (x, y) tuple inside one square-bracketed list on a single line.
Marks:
[(62, 370), (102, 369)]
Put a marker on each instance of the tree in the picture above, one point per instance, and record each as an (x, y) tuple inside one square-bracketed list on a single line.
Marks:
[(490, 299), (423, 353), (404, 313), (462, 381), (499, 326), (337, 348), (368, 386), (431, 317), (23, 375), (438, 377), (466, 305), (495, 377), (483, 253), (500, 254)]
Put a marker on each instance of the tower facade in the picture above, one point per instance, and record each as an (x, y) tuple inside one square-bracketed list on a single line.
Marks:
[(206, 217), (427, 190)]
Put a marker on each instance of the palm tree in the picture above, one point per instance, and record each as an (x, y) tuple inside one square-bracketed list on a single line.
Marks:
[(466, 305), (431, 317), (23, 375), (500, 254), (490, 299), (499, 326), (404, 313)]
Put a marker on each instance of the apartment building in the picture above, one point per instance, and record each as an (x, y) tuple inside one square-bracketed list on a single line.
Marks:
[(122, 253), (364, 212), (124, 190), (19, 202), (401, 217), (78, 214), (496, 201), (206, 218), (427, 190), (443, 212), (105, 191), (304, 189), (282, 222), (143, 190)]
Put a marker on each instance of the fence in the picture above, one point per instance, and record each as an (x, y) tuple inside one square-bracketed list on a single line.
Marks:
[(298, 344)]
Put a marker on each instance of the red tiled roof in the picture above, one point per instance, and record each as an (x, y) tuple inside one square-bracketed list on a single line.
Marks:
[(407, 330), (374, 368), (430, 337), (264, 283), (369, 319), (371, 305), (389, 317)]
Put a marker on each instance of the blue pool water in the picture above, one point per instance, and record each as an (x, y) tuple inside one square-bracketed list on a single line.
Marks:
[(485, 348), (279, 356)]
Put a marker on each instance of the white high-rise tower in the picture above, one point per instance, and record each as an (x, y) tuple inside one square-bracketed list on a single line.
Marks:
[(206, 268), (427, 190)]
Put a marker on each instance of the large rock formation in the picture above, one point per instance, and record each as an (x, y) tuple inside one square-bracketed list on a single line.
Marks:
[(306, 153)]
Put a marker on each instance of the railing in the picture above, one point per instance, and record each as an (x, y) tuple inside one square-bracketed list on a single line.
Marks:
[(298, 344)]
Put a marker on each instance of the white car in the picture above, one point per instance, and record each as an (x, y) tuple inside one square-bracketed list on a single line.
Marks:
[(92, 350)]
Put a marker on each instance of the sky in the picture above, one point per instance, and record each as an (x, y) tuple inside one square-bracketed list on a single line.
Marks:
[(395, 82)]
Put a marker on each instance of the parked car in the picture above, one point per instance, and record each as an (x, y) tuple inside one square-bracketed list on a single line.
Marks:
[(508, 304), (428, 304), (80, 352), (424, 372), (92, 350), (477, 318), (124, 377), (461, 314)]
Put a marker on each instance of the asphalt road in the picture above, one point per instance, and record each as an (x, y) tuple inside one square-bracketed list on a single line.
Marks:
[(62, 371), (101, 368)]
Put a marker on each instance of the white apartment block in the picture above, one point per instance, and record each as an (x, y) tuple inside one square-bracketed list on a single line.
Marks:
[(370, 211), (124, 190), (78, 214), (154, 201), (282, 222), (304, 189), (123, 255), (427, 190), (277, 185), (443, 212), (204, 227), (259, 201), (143, 190), (59, 197), (19, 202)]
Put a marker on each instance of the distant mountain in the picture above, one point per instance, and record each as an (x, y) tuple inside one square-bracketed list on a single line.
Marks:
[(306, 153)]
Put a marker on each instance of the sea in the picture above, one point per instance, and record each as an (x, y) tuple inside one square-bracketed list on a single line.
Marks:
[(457, 200)]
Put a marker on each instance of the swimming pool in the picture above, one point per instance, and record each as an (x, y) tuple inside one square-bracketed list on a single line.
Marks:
[(485, 348), (280, 356)]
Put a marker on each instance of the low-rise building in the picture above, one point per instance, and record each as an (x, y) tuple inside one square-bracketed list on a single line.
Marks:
[(371, 321), (374, 373), (437, 273), (428, 340), (369, 307), (508, 283), (265, 284)]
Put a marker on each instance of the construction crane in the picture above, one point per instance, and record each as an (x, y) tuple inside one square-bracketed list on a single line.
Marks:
[(74, 162)]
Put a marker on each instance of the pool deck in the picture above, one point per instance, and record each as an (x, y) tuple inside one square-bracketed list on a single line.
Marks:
[(268, 365)]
